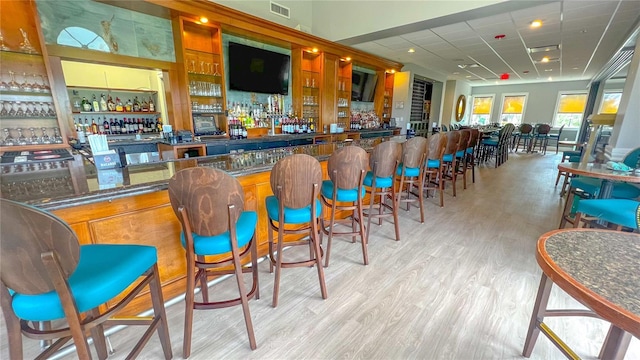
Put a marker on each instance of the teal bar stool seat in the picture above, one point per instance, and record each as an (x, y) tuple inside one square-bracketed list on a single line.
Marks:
[(379, 183), (71, 285), (295, 182), (410, 173), (622, 212), (218, 236), (345, 192)]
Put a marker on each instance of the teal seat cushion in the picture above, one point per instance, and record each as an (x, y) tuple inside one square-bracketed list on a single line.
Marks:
[(525, 136), (408, 171), (432, 163), (571, 153), (470, 150), (490, 142), (592, 187), (447, 158), (381, 182), (460, 153), (103, 272), (618, 211), (291, 216), (574, 158), (221, 244), (346, 195)]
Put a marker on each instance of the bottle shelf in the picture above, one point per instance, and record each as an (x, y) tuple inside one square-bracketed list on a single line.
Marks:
[(19, 53), (206, 113), (204, 74), (98, 89), (25, 93), (206, 96), (28, 118), (116, 113)]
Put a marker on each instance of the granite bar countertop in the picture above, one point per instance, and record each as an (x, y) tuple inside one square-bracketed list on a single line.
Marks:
[(55, 185), (605, 262)]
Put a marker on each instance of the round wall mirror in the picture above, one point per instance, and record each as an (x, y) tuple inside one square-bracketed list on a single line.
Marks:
[(461, 106)]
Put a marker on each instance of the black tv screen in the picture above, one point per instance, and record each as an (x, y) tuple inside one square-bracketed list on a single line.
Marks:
[(363, 86), (257, 70)]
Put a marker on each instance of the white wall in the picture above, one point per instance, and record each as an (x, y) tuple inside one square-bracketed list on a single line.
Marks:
[(541, 102), (453, 90), (299, 11)]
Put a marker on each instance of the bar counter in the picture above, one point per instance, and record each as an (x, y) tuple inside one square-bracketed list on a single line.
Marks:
[(131, 205)]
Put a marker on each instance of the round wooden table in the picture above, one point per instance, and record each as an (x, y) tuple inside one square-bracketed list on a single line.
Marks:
[(600, 171), (600, 269)]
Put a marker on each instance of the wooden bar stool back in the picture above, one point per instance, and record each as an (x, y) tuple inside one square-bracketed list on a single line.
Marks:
[(461, 157), (434, 166), (449, 157), (294, 209), (218, 236), (47, 276), (525, 133), (380, 182), (470, 158), (345, 192), (411, 173)]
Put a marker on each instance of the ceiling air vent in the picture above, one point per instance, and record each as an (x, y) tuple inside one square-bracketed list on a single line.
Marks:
[(280, 10)]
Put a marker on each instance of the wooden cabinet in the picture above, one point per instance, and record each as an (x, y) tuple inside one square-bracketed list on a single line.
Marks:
[(387, 100), (307, 70), (205, 77), (28, 110)]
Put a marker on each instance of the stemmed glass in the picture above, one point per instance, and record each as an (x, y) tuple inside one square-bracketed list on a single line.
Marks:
[(3, 47), (201, 67), (13, 85), (8, 139), (21, 139), (56, 136), (29, 112), (50, 111), (20, 111), (215, 71), (25, 45), (34, 138), (25, 86), (36, 87), (193, 66), (45, 137), (42, 111), (3, 109), (45, 86)]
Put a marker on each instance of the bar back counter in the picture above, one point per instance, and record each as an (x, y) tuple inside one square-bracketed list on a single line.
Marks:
[(130, 205)]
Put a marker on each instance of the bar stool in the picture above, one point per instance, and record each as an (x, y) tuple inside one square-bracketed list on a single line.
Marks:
[(47, 276), (345, 192), (470, 159), (542, 135), (525, 134), (449, 157), (217, 233), (461, 154), (434, 167), (380, 182), (295, 181), (411, 173)]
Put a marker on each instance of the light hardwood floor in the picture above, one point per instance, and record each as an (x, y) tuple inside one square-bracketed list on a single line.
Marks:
[(459, 286)]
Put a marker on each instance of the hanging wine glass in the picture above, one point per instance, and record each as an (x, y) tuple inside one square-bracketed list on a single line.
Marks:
[(50, 111), (42, 111), (36, 87), (3, 108), (34, 138), (25, 86), (8, 139), (3, 85), (20, 109), (215, 69), (45, 138), (29, 111), (208, 68), (13, 85), (56, 136), (201, 67), (193, 66), (3, 47), (25, 45), (21, 139)]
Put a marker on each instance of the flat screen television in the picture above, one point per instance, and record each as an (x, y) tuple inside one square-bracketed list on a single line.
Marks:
[(257, 70), (363, 86)]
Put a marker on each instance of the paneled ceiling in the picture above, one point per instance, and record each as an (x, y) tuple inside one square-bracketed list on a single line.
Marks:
[(578, 37)]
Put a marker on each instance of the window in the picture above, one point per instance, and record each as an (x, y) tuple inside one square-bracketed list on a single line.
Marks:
[(82, 38), (513, 106), (570, 109), (481, 110), (610, 102)]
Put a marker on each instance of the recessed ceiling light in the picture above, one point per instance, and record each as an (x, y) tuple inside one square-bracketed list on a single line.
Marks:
[(204, 20), (314, 50), (468, 76), (411, 50), (576, 68), (456, 73), (348, 58), (547, 70), (545, 59), (536, 23)]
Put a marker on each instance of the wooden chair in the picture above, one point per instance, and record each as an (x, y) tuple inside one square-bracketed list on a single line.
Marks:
[(434, 166), (449, 158), (218, 235), (380, 182), (295, 182), (345, 192), (541, 137), (47, 276), (461, 156), (411, 173)]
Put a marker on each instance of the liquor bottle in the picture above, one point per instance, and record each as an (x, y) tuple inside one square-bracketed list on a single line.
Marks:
[(125, 126), (86, 106), (144, 107), (119, 106), (244, 132), (128, 106), (152, 106), (140, 125), (87, 127), (123, 129), (159, 126), (94, 104), (103, 127), (103, 103), (136, 104), (113, 127), (94, 126), (110, 104)]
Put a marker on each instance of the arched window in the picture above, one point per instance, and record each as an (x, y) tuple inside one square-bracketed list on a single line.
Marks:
[(82, 38)]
